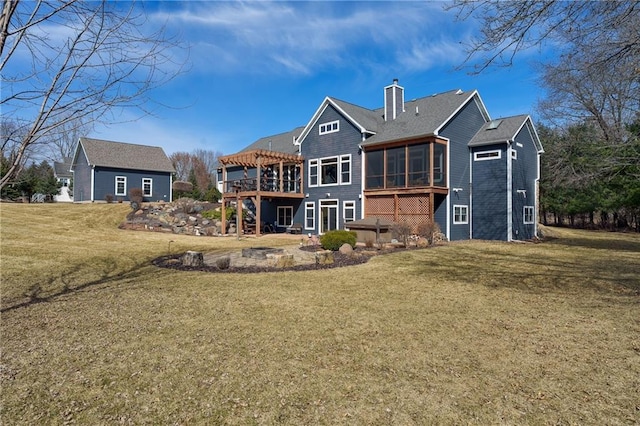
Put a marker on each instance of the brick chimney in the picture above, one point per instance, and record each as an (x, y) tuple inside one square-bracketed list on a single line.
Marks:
[(393, 100)]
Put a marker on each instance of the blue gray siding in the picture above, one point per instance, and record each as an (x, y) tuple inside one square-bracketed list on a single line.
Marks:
[(316, 146), (105, 183), (81, 178), (489, 210), (459, 131), (525, 173)]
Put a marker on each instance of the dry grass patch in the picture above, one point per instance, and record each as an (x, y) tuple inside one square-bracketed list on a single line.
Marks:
[(473, 332)]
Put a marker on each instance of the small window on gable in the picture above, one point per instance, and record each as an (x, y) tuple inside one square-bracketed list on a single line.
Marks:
[(330, 127), (487, 155), (514, 154)]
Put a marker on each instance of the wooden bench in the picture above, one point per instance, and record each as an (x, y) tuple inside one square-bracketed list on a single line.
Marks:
[(296, 228)]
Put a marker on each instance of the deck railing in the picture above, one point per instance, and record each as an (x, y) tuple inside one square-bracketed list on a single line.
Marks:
[(262, 185)]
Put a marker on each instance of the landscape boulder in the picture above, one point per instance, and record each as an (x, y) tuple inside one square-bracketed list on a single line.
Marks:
[(192, 258), (346, 249)]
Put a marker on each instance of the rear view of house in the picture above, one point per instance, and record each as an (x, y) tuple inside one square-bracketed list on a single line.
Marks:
[(437, 159), (103, 169)]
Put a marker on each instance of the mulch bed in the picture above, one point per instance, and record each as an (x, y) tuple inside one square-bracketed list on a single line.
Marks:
[(340, 260)]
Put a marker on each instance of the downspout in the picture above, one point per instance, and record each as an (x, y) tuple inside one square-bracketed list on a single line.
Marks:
[(93, 171), (509, 193), (470, 194), (362, 178), (537, 196)]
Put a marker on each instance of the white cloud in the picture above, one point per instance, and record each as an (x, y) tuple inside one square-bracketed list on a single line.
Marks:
[(300, 38), (154, 131)]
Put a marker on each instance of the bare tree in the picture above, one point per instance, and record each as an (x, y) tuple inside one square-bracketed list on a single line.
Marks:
[(201, 163), (62, 143), (182, 164), (507, 28), (209, 160), (77, 61)]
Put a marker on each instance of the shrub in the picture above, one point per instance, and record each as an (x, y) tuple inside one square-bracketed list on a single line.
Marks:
[(136, 194), (187, 205), (402, 232), (109, 198), (135, 198), (212, 195), (216, 214), (223, 262), (332, 240), (182, 188), (428, 230), (369, 242)]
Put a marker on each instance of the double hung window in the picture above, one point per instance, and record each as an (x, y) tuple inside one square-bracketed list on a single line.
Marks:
[(285, 216), (147, 187), (460, 215), (121, 185), (529, 214)]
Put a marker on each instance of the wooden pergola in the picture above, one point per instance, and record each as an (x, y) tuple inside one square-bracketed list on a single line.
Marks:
[(255, 188)]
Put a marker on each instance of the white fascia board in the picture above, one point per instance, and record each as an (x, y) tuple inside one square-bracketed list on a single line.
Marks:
[(314, 119), (536, 138), (483, 110), (75, 154)]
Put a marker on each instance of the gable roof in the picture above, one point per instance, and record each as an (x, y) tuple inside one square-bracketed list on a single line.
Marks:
[(358, 116), (283, 142), (504, 130), (425, 116), (421, 117), (63, 168), (124, 155)]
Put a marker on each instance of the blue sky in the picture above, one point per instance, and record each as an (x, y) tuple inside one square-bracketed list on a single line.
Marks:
[(262, 68)]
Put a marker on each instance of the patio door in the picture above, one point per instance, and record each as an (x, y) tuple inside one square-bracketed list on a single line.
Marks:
[(328, 215)]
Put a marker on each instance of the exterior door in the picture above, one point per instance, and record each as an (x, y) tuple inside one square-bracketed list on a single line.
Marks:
[(328, 215)]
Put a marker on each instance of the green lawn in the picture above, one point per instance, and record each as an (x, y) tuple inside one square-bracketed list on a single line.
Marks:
[(465, 333)]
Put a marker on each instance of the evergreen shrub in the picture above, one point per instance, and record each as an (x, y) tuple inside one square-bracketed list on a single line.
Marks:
[(332, 240)]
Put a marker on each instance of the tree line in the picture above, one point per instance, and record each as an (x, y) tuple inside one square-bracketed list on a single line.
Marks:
[(589, 121)]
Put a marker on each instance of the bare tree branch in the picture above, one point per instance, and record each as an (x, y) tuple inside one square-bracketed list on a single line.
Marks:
[(87, 61)]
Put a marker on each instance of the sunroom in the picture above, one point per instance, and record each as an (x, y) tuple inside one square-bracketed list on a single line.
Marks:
[(402, 180)]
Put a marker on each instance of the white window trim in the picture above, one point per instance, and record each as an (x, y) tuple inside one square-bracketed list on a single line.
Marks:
[(310, 206), (124, 180), (316, 163), (514, 154), (150, 180), (348, 205), (344, 159), (489, 154), (279, 216), (329, 127), (524, 215), (466, 210)]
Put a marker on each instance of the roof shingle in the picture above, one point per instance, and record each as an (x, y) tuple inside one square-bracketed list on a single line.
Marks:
[(125, 155)]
